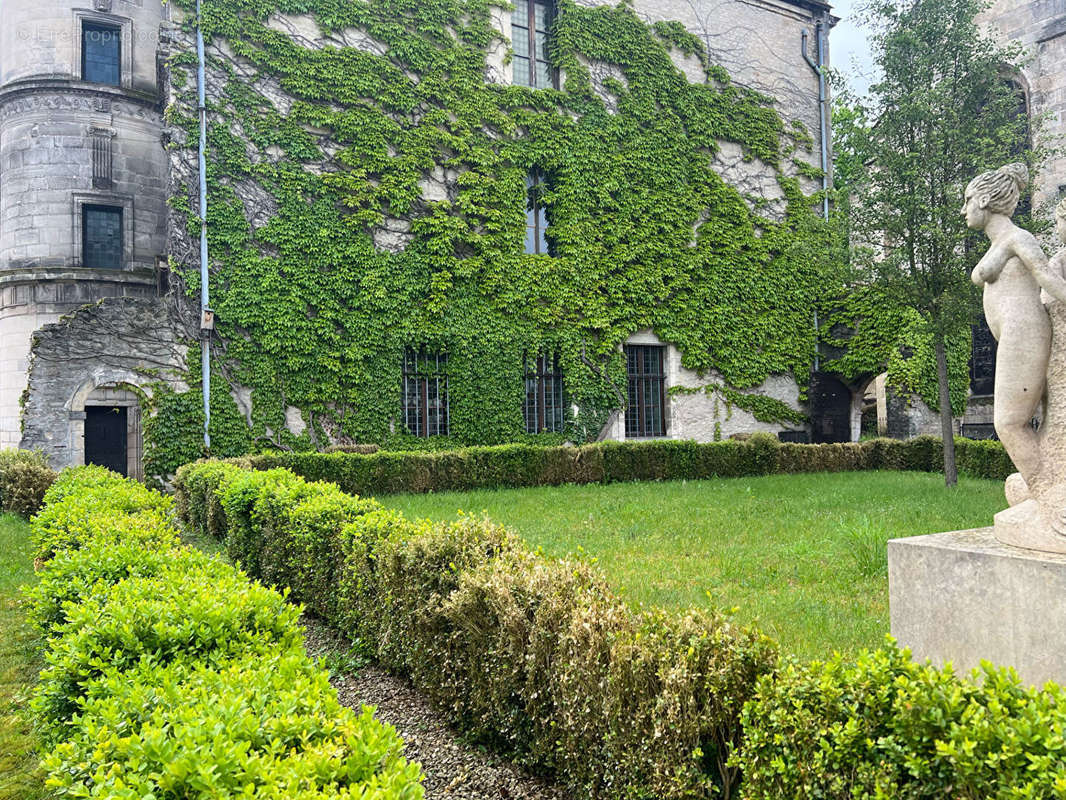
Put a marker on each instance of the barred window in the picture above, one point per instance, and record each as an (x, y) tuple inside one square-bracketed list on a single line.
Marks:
[(536, 216), (425, 393), (646, 412), (101, 237), (530, 23), (101, 53), (544, 407)]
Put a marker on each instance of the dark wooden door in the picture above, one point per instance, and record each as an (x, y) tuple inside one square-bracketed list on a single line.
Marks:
[(105, 437), (830, 409)]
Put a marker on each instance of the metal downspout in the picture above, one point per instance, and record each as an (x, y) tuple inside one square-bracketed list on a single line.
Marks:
[(205, 315), (819, 70)]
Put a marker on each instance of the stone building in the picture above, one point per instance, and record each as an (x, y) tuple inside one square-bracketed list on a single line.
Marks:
[(85, 178), (83, 190), (1040, 25)]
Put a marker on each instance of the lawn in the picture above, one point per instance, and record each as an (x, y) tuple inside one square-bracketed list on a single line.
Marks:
[(801, 555), (20, 778)]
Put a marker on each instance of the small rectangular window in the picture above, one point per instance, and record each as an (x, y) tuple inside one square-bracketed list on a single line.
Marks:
[(536, 215), (101, 237), (646, 412), (101, 53), (531, 22), (544, 407), (425, 393)]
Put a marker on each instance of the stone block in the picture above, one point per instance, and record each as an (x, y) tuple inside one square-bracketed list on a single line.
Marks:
[(963, 597)]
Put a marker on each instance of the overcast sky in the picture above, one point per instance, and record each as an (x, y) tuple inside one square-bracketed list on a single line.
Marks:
[(849, 51)]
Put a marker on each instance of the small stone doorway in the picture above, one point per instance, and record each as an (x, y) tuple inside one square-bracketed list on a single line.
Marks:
[(106, 434)]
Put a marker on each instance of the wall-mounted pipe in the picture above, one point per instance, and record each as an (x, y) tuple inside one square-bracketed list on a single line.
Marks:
[(823, 126), (205, 314), (819, 70)]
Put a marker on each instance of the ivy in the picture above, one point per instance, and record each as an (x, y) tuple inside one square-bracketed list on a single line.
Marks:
[(871, 336), (315, 315)]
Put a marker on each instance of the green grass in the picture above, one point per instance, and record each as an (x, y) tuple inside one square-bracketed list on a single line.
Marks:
[(20, 661), (801, 555)]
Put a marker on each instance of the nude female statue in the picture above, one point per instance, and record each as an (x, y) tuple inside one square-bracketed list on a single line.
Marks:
[(1013, 272)]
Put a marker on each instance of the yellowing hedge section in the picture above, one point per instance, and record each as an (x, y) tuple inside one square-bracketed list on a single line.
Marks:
[(541, 660), (536, 657)]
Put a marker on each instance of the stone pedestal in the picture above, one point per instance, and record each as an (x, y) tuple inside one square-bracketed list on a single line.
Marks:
[(964, 596)]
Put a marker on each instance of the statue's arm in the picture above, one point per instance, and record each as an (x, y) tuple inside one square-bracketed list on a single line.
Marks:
[(1029, 251)]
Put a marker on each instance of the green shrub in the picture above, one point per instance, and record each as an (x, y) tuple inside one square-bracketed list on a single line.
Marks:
[(23, 485), (197, 497), (520, 465), (76, 517), (536, 657), (170, 674), (365, 449), (156, 730), (983, 459), (125, 548), (238, 497), (883, 726), (74, 479), (200, 612)]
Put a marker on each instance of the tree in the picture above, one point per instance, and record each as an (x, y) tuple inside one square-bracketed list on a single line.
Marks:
[(943, 111)]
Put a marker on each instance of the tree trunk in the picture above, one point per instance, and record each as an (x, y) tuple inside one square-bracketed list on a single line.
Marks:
[(947, 430)]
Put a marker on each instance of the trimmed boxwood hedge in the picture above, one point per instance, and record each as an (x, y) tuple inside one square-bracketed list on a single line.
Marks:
[(518, 465), (171, 674), (536, 657)]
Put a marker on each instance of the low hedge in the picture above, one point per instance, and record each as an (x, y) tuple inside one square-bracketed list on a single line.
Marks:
[(541, 660), (882, 726), (518, 465), (171, 674), (534, 656), (24, 478)]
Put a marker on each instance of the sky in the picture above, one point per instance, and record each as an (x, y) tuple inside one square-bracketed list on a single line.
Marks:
[(849, 51)]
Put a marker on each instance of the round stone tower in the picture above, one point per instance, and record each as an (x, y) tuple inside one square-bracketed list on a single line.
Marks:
[(82, 169)]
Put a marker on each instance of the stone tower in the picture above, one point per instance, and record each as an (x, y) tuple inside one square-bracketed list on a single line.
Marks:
[(83, 178)]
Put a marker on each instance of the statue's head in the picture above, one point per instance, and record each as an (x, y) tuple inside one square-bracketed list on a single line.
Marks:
[(994, 192), (1060, 220)]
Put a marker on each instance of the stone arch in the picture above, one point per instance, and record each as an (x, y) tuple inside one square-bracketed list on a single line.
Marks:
[(115, 388)]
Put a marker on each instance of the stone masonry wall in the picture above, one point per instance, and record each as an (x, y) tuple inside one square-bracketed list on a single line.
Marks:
[(1041, 26), (120, 342)]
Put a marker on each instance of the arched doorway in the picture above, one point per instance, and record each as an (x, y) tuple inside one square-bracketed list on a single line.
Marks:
[(108, 415)]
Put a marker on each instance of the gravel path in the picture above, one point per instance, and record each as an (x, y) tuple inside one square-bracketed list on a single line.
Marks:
[(455, 770)]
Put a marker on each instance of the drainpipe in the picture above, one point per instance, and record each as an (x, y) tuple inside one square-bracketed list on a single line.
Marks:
[(818, 67), (206, 316)]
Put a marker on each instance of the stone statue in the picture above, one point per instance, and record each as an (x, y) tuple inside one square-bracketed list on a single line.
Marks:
[(1025, 306)]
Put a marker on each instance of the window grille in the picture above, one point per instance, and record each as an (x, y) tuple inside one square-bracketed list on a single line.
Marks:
[(646, 412), (425, 393), (982, 359), (544, 407), (101, 237), (101, 53), (536, 216), (530, 24), (100, 142)]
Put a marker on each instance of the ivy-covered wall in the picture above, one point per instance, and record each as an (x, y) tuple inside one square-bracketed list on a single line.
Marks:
[(366, 181)]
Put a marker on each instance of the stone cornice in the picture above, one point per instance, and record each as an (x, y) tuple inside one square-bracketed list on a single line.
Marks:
[(32, 94), (34, 275)]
